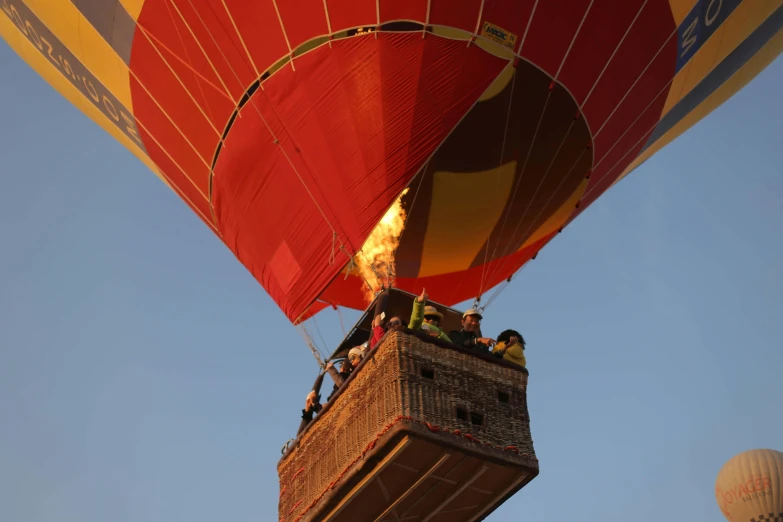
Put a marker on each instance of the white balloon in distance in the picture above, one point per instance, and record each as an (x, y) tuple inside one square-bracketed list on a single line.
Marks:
[(749, 487)]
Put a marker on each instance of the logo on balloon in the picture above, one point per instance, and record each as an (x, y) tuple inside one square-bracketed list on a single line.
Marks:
[(753, 488), (500, 35)]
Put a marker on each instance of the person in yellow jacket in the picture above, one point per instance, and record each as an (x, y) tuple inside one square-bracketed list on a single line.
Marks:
[(427, 318), (511, 346)]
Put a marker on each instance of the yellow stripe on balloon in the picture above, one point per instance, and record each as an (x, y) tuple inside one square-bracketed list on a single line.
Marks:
[(453, 241), (745, 19), (500, 83), (559, 218), (742, 77), (680, 9), (63, 19), (133, 7), (51, 70)]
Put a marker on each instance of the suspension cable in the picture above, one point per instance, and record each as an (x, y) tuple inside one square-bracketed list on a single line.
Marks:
[(309, 341), (497, 181), (318, 330), (519, 180), (342, 324)]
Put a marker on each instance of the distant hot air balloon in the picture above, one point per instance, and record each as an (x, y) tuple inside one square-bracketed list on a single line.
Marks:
[(749, 487)]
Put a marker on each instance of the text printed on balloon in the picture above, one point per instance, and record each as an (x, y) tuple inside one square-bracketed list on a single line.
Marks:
[(71, 68), (704, 19), (755, 487)]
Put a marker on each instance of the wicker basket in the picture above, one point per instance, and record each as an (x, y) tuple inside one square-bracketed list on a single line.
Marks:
[(411, 385)]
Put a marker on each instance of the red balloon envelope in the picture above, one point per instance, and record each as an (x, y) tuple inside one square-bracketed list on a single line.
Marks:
[(290, 127)]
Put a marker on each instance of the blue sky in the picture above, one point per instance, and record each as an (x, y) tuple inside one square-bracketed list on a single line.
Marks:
[(146, 377)]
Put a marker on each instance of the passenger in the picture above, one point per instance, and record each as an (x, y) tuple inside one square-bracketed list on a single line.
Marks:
[(339, 377), (312, 406), (394, 323), (377, 321), (427, 318), (470, 334), (379, 328), (349, 364), (511, 347)]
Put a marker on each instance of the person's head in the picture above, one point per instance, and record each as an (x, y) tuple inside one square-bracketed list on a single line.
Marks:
[(506, 335), (355, 356), (432, 316), (394, 322), (471, 320)]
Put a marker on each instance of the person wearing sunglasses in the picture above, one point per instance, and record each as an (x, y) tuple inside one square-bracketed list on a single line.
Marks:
[(378, 326), (394, 322), (427, 318)]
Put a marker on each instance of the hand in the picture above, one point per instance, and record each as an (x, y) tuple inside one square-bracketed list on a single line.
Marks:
[(487, 341), (329, 365), (423, 297), (377, 321), (513, 340)]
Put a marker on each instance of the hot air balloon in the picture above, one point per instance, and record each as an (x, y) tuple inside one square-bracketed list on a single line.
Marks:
[(338, 146), (749, 487)]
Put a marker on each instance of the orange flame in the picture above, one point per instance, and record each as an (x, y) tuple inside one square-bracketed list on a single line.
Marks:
[(375, 260)]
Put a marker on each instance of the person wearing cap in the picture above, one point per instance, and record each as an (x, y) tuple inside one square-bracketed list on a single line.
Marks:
[(427, 318), (350, 363), (470, 335)]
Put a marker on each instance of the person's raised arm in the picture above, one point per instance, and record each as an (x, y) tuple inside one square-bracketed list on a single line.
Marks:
[(334, 374), (377, 322), (380, 305), (417, 316)]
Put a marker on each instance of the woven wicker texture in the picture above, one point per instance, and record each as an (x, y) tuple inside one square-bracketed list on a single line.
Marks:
[(407, 379)]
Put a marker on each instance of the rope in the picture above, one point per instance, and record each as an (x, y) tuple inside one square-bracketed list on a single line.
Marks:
[(497, 180), (538, 188), (334, 244), (309, 341), (190, 66), (521, 175), (315, 322), (502, 265), (349, 268), (502, 286), (423, 172), (342, 325)]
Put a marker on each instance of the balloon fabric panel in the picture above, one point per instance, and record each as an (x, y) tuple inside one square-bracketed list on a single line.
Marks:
[(344, 170)]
